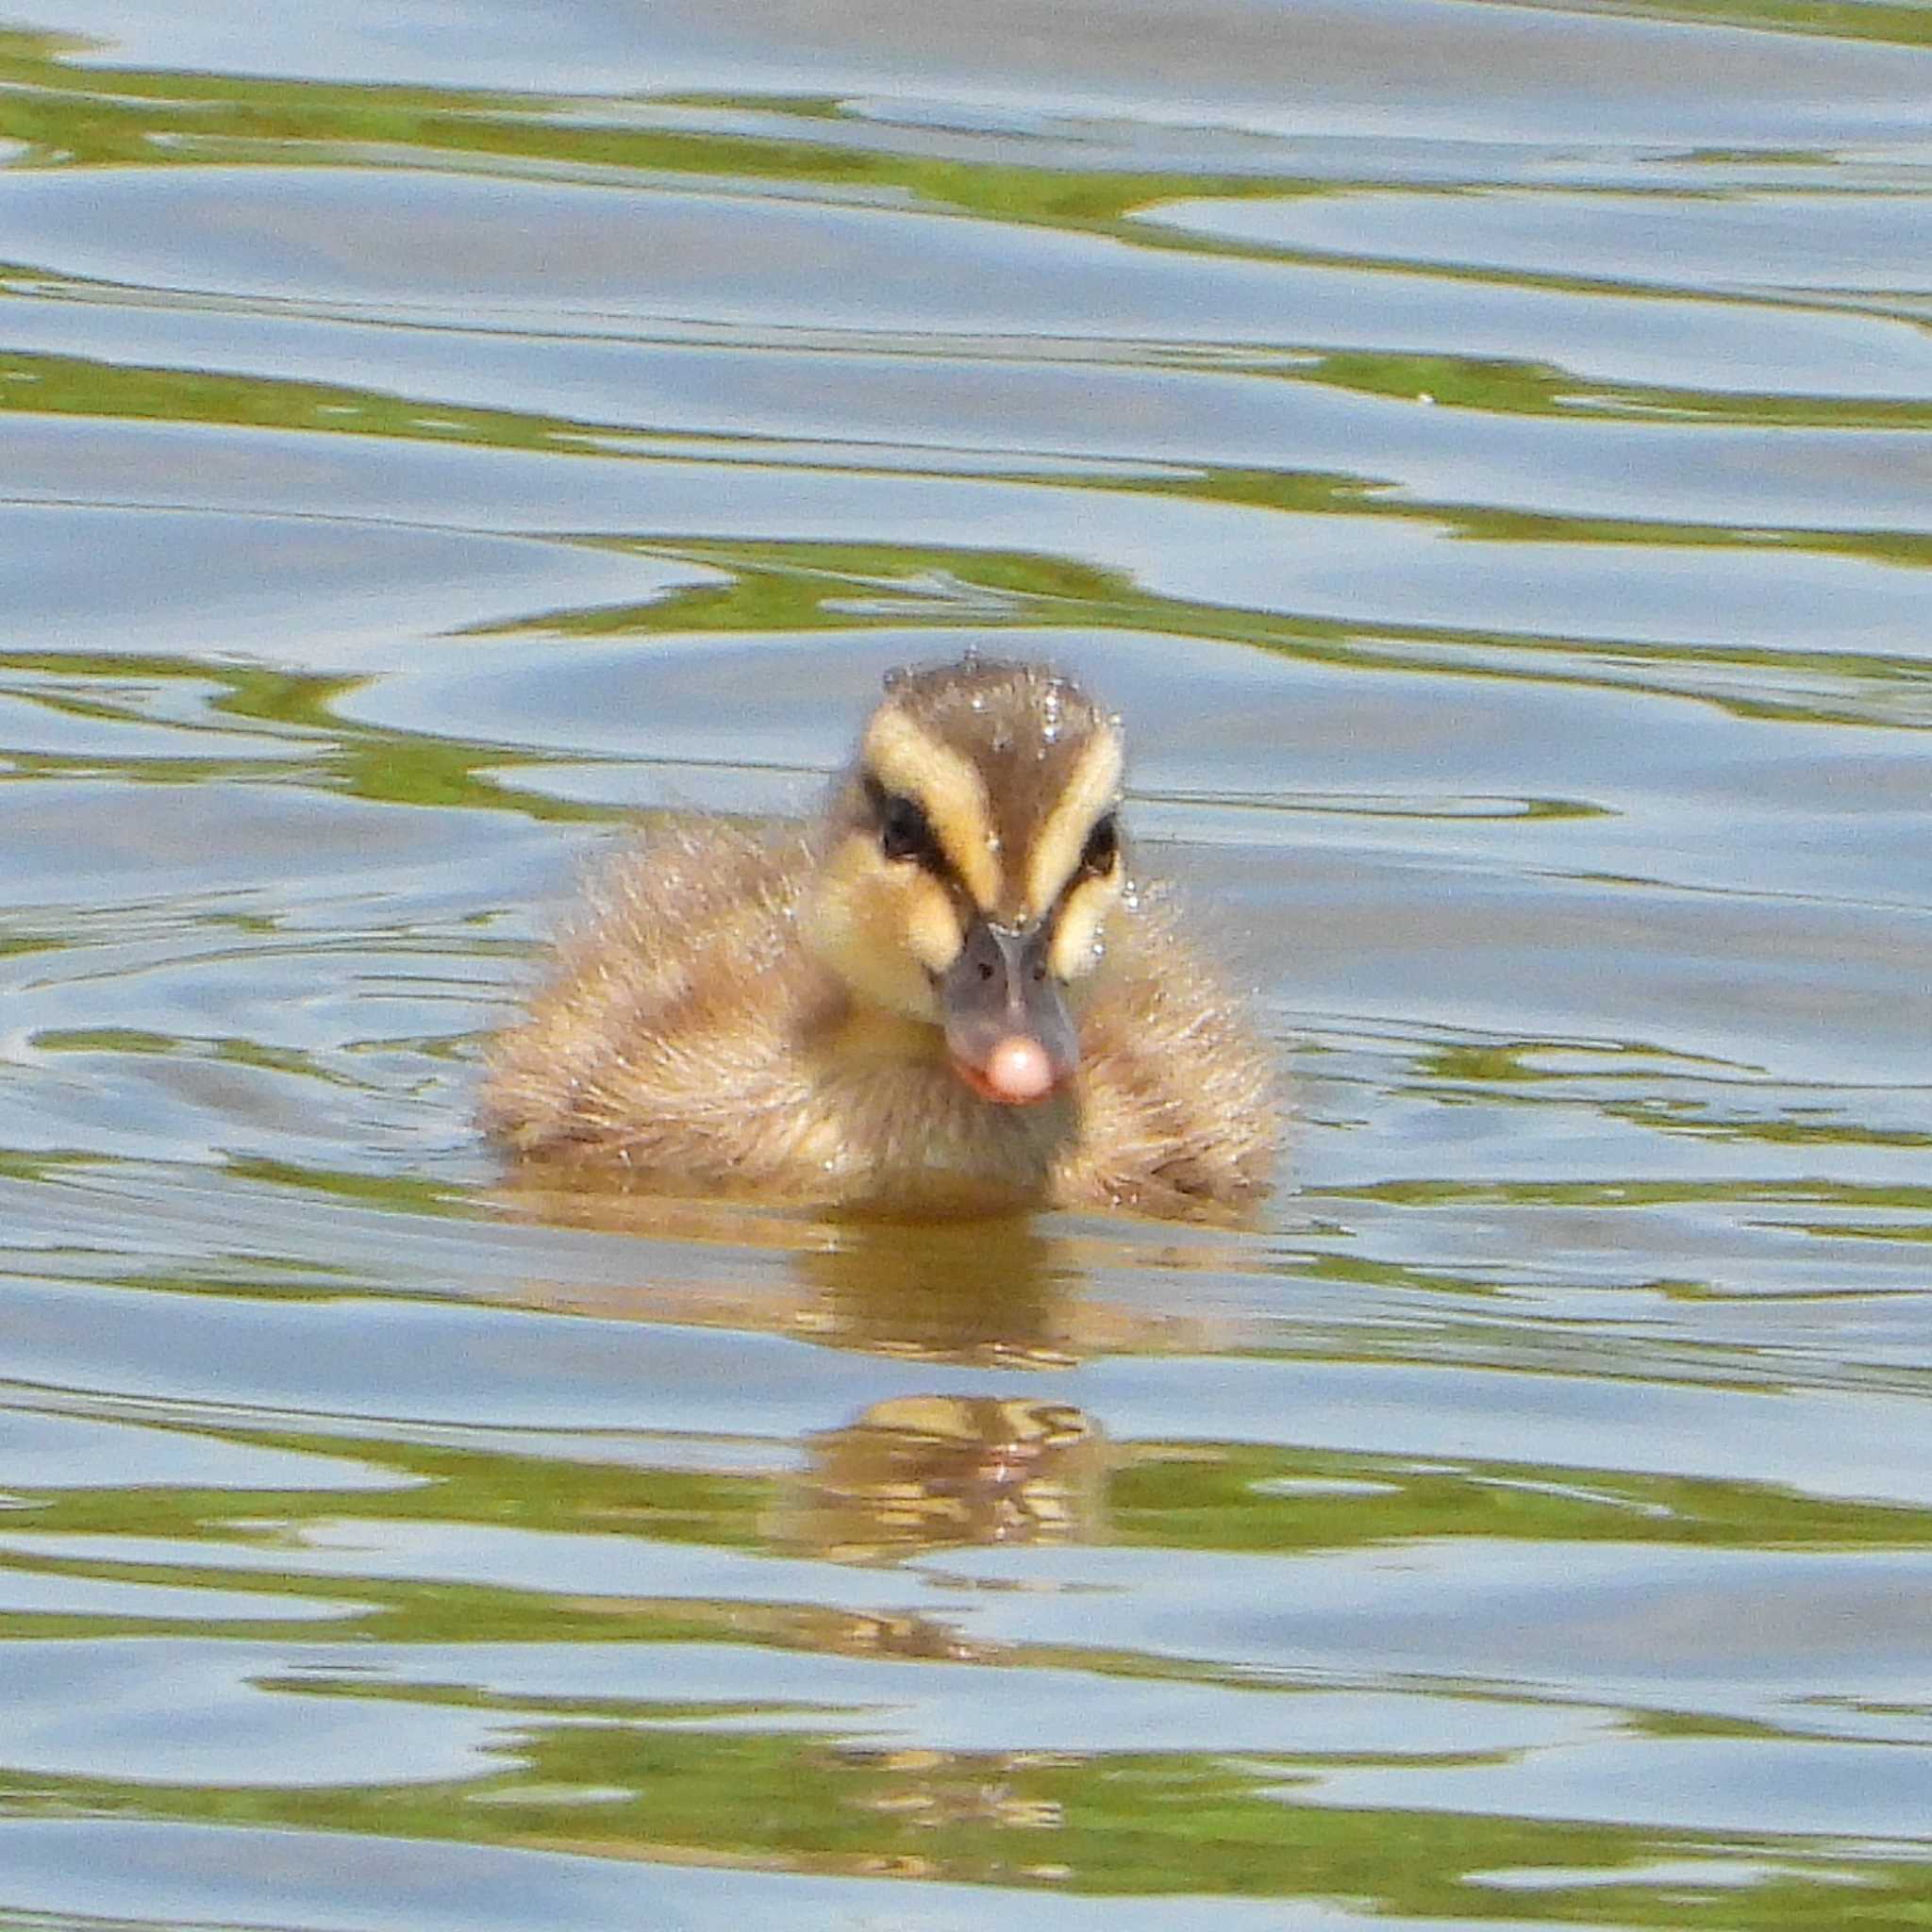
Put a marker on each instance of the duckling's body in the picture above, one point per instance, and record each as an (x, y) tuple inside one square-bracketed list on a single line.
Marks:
[(942, 1000)]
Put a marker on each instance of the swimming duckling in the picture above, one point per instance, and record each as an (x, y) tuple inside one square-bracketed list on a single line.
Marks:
[(945, 997)]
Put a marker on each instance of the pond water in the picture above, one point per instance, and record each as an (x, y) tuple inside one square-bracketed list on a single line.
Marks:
[(1485, 453)]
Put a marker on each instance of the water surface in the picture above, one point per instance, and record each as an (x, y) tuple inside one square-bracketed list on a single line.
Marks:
[(1484, 451)]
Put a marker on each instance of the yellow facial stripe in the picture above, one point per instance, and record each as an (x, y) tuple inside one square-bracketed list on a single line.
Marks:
[(913, 764), (885, 934), (931, 929), (1075, 949), (1093, 786)]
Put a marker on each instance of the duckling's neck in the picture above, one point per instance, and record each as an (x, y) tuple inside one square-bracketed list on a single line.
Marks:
[(885, 1111), (866, 1038)]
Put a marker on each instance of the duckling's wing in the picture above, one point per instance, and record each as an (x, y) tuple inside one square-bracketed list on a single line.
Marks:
[(671, 990), (1179, 1092)]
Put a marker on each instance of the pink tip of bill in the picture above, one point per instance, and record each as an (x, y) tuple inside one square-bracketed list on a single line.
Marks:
[(1018, 1071)]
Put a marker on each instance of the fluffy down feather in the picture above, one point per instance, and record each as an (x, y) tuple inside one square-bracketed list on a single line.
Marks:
[(690, 1038)]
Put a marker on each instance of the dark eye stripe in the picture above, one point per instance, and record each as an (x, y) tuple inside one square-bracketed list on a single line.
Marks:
[(1103, 848), (905, 832)]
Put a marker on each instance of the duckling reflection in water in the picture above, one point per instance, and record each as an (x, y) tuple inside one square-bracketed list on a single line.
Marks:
[(934, 1472), (945, 997)]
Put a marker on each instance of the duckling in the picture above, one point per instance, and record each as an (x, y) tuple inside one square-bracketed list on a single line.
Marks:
[(945, 997)]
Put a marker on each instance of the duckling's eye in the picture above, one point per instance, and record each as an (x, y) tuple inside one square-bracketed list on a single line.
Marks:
[(904, 830), (1103, 848)]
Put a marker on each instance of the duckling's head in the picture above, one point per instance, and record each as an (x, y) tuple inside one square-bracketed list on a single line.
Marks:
[(974, 854)]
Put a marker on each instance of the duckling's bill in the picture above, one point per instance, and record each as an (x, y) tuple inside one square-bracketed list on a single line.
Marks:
[(1007, 1030)]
